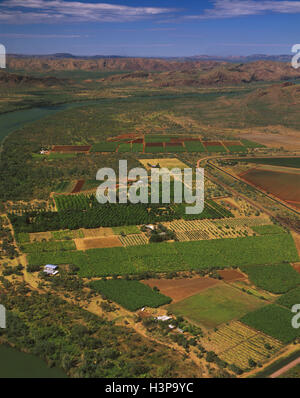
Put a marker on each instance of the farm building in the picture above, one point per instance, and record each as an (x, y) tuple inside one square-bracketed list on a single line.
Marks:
[(164, 318), (51, 269), (151, 227)]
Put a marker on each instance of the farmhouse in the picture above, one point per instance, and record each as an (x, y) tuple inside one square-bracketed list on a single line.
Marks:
[(50, 269)]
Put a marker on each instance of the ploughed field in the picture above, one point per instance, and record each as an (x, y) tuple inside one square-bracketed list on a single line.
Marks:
[(285, 186), (179, 289)]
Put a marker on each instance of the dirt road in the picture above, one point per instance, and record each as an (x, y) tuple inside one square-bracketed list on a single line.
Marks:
[(285, 368)]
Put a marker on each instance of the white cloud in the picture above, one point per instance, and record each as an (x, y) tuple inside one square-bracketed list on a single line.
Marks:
[(53, 11), (237, 8)]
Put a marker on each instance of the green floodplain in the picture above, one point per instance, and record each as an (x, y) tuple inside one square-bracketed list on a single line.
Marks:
[(15, 364)]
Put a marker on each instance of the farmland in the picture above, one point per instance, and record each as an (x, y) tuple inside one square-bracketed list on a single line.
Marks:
[(216, 305), (207, 229), (289, 299), (84, 211), (274, 321), (267, 229), (285, 186), (179, 289), (277, 278), (236, 344), (153, 144), (293, 162), (178, 256), (130, 294), (40, 247), (229, 270)]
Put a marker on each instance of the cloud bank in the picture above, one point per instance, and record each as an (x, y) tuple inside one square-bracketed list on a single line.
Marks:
[(55, 11), (239, 8)]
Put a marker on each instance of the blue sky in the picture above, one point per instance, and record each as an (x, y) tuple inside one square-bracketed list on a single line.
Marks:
[(149, 27)]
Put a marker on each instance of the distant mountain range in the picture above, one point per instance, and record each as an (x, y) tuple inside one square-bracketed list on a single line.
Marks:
[(230, 58)]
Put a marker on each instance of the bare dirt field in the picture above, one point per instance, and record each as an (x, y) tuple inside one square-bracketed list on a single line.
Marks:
[(97, 232), (97, 243), (297, 241), (78, 186), (275, 137), (179, 289), (285, 186), (39, 236), (230, 275), (296, 266), (71, 148)]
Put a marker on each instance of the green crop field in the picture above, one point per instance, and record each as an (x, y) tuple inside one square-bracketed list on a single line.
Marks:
[(53, 156), (252, 144), (215, 148), (49, 246), (293, 373), (154, 149), (104, 147), (285, 162), (178, 256), (216, 305), (268, 229), (194, 146), (236, 148), (132, 295), (22, 237), (157, 138), (277, 278), (137, 147), (63, 187), (289, 299), (126, 229), (274, 321), (124, 147)]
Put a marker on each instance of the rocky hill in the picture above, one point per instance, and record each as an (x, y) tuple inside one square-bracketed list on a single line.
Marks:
[(13, 79)]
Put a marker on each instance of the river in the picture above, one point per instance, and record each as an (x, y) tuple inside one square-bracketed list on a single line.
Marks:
[(17, 364)]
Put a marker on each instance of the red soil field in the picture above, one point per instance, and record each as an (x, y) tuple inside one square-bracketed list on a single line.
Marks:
[(232, 143), (121, 137), (151, 144), (179, 289), (174, 143), (297, 267), (212, 143), (71, 148), (138, 141), (78, 186), (285, 186), (230, 275)]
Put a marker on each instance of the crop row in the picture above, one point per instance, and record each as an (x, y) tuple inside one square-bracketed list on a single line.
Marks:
[(237, 344), (133, 240)]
